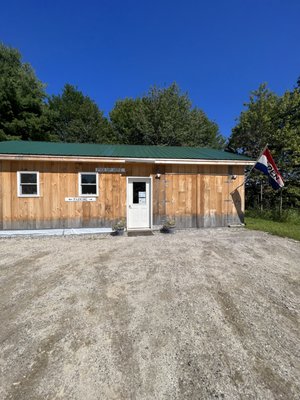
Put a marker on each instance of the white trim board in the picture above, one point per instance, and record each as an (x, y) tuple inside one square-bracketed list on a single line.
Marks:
[(124, 160), (54, 232)]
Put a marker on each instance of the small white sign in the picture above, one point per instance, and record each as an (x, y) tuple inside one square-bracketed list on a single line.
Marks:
[(142, 200), (111, 170), (80, 198), (142, 194)]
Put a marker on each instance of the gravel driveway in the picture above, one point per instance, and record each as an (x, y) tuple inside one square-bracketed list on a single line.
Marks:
[(203, 314)]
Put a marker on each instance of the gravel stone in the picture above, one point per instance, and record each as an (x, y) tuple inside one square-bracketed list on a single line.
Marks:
[(199, 314)]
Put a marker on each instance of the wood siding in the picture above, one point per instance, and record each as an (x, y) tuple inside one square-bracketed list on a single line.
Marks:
[(195, 195)]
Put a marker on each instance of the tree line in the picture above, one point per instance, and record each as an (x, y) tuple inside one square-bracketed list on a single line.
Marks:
[(163, 116)]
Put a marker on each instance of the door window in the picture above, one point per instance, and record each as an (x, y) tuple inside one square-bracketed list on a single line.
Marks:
[(139, 193)]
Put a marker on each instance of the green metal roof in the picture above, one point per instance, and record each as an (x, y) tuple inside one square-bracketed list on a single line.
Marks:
[(115, 150)]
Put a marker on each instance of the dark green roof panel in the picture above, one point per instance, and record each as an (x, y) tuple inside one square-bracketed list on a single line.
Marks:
[(115, 150)]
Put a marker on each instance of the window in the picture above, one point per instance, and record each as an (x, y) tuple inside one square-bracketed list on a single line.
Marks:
[(139, 193), (28, 184), (88, 184)]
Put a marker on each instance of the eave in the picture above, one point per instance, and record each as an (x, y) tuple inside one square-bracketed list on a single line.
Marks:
[(50, 158)]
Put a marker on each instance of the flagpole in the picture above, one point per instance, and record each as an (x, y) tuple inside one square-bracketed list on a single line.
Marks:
[(252, 168)]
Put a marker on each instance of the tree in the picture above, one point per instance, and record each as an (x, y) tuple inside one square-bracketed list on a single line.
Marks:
[(255, 125), (23, 113), (163, 117), (77, 118), (286, 143), (130, 123), (203, 132), (167, 111), (273, 120)]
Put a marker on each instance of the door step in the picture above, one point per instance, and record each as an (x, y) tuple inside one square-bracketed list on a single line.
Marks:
[(140, 233)]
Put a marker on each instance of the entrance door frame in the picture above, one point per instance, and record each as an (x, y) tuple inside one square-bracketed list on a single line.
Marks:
[(148, 178)]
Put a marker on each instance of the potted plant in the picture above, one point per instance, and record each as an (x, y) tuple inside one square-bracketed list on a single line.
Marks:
[(169, 226), (119, 227)]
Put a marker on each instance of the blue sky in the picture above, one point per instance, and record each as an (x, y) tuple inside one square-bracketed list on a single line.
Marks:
[(217, 51)]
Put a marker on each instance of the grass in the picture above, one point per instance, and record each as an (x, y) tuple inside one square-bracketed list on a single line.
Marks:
[(287, 228)]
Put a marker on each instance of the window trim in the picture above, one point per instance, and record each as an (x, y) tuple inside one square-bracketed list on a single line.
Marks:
[(80, 184), (20, 194)]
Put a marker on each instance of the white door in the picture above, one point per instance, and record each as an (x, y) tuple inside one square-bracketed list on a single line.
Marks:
[(138, 203)]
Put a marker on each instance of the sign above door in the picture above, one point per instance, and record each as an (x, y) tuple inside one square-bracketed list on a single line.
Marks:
[(111, 170)]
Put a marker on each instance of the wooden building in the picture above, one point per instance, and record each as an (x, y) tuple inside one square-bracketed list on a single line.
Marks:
[(69, 185)]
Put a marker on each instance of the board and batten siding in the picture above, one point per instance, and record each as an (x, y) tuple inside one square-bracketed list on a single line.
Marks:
[(195, 195)]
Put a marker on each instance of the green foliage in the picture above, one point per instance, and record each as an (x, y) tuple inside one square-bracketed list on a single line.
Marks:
[(203, 132), (77, 118), (22, 99), (129, 123), (169, 223), (283, 229), (273, 120), (289, 215), (119, 225), (255, 125), (163, 117)]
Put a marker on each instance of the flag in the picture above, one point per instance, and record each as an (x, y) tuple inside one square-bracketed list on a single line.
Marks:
[(267, 166)]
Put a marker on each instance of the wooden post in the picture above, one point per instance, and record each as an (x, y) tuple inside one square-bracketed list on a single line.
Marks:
[(261, 195), (280, 203)]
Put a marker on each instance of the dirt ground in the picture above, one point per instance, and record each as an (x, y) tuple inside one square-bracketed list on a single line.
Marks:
[(202, 314)]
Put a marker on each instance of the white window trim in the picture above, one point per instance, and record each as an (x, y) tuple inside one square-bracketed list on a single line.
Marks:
[(37, 183), (79, 184)]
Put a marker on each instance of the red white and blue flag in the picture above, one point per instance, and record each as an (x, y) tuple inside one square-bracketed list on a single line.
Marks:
[(267, 166)]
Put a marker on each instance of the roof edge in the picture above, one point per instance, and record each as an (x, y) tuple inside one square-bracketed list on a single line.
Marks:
[(191, 161)]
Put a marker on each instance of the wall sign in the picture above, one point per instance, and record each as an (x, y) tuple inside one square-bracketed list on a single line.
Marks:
[(107, 170), (80, 198)]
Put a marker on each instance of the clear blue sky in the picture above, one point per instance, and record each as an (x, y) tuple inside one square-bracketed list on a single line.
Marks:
[(217, 50)]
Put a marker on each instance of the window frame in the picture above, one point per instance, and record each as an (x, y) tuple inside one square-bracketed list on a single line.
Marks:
[(80, 184), (19, 184)]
